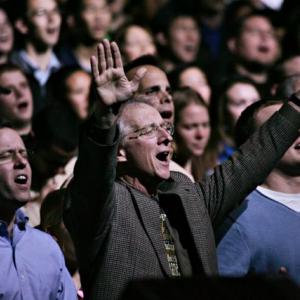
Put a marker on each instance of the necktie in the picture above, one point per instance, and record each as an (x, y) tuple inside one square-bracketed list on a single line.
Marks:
[(169, 246)]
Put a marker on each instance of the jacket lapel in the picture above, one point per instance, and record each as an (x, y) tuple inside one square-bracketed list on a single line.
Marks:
[(196, 215), (150, 218)]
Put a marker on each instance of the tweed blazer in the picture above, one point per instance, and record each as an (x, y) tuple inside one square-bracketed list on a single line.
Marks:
[(116, 228)]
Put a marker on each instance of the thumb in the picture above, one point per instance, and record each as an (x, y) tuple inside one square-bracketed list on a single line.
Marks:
[(139, 74)]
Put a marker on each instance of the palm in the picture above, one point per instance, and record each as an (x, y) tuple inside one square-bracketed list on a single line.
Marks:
[(111, 83), (113, 86)]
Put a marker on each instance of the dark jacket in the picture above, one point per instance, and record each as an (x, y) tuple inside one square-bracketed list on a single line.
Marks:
[(116, 228)]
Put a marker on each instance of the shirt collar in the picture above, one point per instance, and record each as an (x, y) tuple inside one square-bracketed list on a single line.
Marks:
[(21, 219), (53, 64)]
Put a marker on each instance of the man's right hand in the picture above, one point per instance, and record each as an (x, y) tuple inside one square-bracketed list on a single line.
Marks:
[(108, 74)]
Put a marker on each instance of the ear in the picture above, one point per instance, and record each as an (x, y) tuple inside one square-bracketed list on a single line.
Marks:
[(21, 26), (70, 21), (121, 155), (231, 44), (161, 39)]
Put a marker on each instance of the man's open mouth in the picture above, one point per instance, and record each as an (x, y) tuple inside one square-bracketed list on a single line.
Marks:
[(21, 179), (163, 156)]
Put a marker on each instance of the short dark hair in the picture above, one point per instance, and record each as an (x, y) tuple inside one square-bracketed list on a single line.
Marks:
[(238, 25), (185, 96), (142, 61), (167, 14), (9, 67), (246, 124), (174, 75)]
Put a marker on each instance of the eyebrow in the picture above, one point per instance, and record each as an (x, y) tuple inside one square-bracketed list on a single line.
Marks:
[(153, 88)]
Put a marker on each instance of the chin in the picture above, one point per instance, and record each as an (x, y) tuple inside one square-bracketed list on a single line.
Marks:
[(164, 175)]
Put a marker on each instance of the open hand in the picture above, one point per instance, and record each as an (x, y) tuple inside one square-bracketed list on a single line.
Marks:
[(111, 82)]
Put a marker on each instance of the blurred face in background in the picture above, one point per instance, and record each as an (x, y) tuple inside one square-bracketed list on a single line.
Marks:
[(78, 90), (6, 34), (184, 38), (291, 66), (193, 130), (16, 107), (257, 42), (95, 17), (194, 78), (138, 42), (43, 22), (239, 96)]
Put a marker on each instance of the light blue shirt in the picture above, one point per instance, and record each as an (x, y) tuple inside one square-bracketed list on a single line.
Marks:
[(32, 266), (261, 236), (22, 59)]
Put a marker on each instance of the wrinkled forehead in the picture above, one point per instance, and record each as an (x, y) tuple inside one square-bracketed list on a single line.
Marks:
[(153, 77), (155, 74), (9, 138), (138, 115)]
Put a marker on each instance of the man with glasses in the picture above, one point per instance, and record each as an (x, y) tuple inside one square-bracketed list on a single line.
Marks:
[(32, 265), (129, 216)]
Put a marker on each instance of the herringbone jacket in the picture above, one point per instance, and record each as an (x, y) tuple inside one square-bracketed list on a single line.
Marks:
[(116, 228)]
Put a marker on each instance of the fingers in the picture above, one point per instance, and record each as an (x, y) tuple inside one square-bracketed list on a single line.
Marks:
[(101, 58), (139, 74), (117, 55), (108, 54), (94, 67)]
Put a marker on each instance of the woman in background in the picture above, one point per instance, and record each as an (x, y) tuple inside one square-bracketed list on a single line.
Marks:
[(193, 134), (236, 95)]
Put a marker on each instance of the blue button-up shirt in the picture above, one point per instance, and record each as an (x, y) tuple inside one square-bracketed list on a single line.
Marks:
[(32, 266), (29, 66)]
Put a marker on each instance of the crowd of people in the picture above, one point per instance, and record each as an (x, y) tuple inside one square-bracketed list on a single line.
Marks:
[(146, 140)]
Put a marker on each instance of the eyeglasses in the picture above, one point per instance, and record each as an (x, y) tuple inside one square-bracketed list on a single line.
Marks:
[(42, 12), (151, 130)]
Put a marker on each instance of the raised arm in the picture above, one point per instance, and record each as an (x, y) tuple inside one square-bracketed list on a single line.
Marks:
[(252, 162), (91, 191)]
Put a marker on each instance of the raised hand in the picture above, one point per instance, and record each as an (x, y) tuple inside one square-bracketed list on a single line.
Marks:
[(111, 82)]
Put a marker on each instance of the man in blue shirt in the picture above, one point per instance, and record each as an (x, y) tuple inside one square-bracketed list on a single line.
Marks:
[(261, 236), (31, 263)]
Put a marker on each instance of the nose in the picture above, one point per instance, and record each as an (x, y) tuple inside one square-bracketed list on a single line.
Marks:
[(164, 136), (199, 132), (19, 92), (53, 15), (165, 97), (20, 162)]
